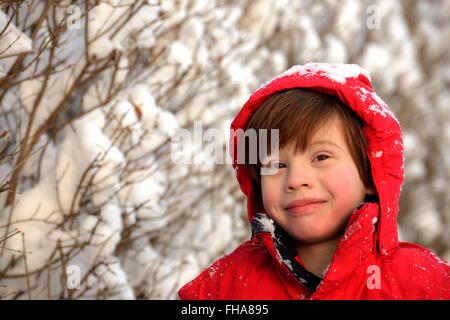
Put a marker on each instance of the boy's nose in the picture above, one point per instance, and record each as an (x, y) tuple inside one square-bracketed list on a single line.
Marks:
[(298, 178)]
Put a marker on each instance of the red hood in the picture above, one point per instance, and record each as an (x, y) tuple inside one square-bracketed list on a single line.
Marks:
[(385, 143)]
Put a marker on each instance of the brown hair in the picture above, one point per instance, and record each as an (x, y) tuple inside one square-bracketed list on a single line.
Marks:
[(298, 113)]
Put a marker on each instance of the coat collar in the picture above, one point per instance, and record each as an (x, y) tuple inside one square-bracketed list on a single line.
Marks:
[(282, 249), (355, 246)]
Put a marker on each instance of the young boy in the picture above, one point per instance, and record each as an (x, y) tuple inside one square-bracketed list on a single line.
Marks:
[(323, 206)]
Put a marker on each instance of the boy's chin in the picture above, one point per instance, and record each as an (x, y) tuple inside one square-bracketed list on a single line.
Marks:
[(306, 239)]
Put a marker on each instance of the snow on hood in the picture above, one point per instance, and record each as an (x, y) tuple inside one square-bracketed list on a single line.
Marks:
[(351, 84)]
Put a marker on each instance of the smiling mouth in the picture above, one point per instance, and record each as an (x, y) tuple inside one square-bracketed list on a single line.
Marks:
[(304, 206)]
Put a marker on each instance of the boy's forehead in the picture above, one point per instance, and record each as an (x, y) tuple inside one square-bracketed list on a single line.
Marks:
[(333, 129), (329, 132)]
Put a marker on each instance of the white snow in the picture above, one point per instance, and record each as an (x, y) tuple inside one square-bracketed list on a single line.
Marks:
[(351, 230), (167, 122), (334, 71), (191, 31), (362, 94), (380, 107), (267, 223), (13, 42), (179, 54), (38, 203), (345, 22), (377, 154)]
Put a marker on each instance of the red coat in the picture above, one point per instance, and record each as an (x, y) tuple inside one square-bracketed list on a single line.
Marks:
[(369, 262)]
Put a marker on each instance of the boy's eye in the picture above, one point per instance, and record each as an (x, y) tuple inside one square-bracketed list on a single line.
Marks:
[(271, 168), (277, 165), (321, 157)]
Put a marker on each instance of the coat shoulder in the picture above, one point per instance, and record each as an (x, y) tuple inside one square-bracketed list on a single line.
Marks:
[(421, 257), (421, 271)]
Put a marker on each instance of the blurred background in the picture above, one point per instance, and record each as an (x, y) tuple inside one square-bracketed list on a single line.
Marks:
[(93, 204)]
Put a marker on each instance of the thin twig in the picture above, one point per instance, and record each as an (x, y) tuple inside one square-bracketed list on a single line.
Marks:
[(26, 266)]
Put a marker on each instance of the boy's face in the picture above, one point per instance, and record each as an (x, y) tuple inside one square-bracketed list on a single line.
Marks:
[(323, 180)]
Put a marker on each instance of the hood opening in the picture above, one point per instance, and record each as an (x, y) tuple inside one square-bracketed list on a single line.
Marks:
[(351, 85)]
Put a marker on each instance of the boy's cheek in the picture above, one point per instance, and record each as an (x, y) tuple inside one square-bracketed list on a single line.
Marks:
[(344, 182), (339, 180), (268, 195)]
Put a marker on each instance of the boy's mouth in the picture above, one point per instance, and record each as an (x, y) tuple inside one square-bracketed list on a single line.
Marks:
[(303, 206)]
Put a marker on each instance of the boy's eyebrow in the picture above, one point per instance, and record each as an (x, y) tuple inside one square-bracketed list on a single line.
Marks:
[(326, 142)]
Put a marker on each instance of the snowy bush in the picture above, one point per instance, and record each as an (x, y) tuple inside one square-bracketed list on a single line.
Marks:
[(92, 205)]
